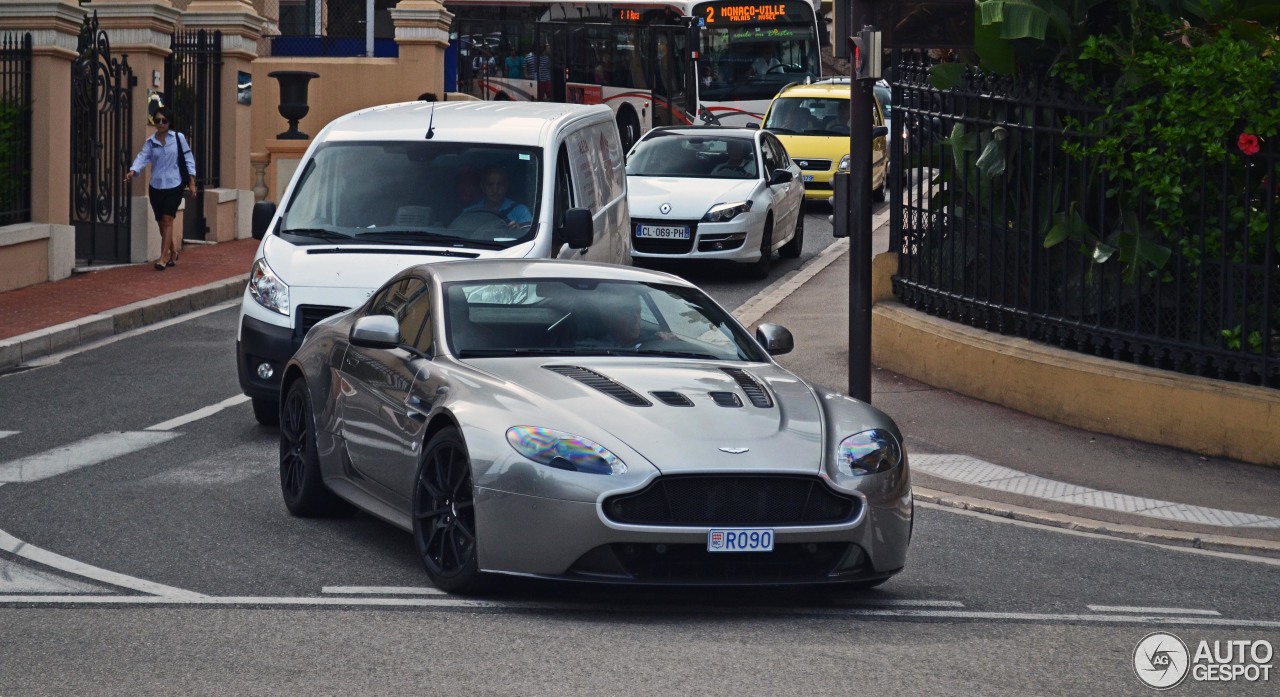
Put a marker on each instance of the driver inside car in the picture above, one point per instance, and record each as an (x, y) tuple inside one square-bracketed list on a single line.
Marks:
[(493, 199), (619, 319)]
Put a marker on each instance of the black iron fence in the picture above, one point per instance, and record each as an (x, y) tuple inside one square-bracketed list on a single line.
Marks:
[(193, 89), (997, 227), (15, 129)]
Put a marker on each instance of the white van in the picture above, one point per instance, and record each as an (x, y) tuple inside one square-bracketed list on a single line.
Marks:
[(394, 186)]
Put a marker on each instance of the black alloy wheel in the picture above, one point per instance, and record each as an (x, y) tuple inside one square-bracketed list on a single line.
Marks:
[(303, 488), (793, 248), (444, 515), (760, 269)]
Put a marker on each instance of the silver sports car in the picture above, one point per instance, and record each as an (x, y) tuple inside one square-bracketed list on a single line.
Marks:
[(587, 422)]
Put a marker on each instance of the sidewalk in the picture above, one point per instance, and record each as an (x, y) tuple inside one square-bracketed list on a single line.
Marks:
[(964, 453)]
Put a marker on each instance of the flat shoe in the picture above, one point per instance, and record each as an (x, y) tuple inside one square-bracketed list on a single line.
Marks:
[(172, 263), (159, 266)]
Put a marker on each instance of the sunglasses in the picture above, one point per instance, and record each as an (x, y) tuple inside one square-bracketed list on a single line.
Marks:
[(160, 122)]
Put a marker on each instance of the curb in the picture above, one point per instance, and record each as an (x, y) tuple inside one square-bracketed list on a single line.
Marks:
[(23, 348), (1216, 543)]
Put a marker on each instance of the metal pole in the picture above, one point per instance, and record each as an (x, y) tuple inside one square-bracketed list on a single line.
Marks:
[(368, 28), (860, 105)]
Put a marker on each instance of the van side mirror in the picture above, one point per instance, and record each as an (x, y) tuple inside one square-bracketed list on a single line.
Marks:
[(263, 212), (579, 228), (879, 132), (780, 176), (753, 126)]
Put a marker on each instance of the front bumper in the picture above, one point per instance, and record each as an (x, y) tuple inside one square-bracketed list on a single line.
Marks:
[(259, 343), (520, 534), (735, 240), (819, 189)]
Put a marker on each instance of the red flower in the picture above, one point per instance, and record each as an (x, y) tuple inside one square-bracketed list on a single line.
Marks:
[(1248, 144)]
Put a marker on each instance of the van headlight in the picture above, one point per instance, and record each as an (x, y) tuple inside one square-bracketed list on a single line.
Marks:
[(869, 452), (563, 451), (267, 288), (724, 212), (844, 163)]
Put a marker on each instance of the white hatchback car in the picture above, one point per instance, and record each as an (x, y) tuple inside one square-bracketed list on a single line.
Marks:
[(708, 192)]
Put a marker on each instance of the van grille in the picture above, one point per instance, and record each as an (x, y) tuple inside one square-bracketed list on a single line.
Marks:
[(310, 315)]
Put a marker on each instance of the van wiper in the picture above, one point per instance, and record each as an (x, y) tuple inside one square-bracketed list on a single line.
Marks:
[(423, 237), (322, 233)]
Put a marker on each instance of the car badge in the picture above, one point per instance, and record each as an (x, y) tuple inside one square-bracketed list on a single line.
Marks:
[(804, 164), (735, 451), (665, 208)]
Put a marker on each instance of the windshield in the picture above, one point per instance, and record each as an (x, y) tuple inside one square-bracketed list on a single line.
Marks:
[(419, 193), (808, 116), (668, 154), (590, 317), (750, 55)]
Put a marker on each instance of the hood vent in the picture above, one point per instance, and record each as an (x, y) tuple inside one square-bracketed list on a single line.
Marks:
[(726, 399), (756, 392), (673, 399), (596, 381)]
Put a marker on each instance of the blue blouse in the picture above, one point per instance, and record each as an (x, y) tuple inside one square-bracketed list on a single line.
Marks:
[(164, 161)]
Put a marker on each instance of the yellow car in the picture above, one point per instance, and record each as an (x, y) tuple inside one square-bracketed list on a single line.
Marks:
[(812, 121)]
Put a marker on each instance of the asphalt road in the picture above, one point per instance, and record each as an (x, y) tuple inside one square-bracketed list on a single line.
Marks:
[(173, 568)]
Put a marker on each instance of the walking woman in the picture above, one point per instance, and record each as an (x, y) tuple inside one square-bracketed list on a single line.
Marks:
[(167, 181)]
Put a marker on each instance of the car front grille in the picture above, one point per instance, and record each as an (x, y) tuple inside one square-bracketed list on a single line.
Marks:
[(757, 500), (813, 165), (310, 315), (646, 245)]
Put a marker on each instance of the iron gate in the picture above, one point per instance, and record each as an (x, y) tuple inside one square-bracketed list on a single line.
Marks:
[(101, 147), (192, 87)]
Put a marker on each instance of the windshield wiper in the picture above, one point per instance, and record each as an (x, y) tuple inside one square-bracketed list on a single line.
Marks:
[(421, 237), (675, 354), (499, 352), (322, 233)]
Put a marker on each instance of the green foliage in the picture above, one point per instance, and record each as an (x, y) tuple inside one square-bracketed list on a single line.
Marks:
[(12, 174)]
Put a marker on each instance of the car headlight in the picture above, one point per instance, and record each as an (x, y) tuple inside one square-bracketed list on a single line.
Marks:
[(844, 163), (267, 288), (723, 212), (563, 450), (868, 452)]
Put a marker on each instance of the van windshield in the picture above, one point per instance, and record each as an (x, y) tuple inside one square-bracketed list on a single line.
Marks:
[(419, 193)]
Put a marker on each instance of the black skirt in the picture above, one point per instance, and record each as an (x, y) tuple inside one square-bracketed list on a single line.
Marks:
[(165, 201)]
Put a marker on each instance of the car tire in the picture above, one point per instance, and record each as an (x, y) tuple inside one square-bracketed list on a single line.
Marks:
[(266, 411), (761, 267), (444, 520), (881, 193), (793, 248), (301, 484)]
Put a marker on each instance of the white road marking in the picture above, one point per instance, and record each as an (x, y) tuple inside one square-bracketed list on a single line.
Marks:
[(198, 414), (898, 602), (1270, 561), (53, 560), (968, 470), (15, 578), (381, 590), (90, 451), (854, 612), (6, 434), (1153, 610)]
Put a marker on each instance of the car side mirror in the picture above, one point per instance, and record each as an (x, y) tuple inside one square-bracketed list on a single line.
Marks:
[(879, 132), (775, 338), (376, 332), (263, 212), (781, 176), (579, 228), (753, 126)]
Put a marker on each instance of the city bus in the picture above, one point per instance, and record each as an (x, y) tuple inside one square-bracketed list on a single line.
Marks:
[(653, 63)]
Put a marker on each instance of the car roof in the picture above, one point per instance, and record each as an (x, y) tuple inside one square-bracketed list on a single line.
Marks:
[(828, 89), (539, 269), (705, 130), (521, 123)]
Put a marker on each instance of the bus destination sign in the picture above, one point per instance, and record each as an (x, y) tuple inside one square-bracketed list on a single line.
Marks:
[(735, 13), (626, 15)]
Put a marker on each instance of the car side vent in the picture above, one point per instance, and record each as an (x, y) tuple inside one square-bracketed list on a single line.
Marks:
[(596, 381), (673, 399), (756, 392), (726, 399)]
